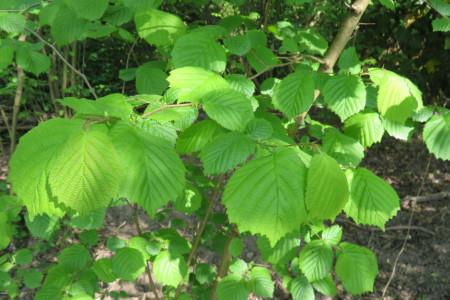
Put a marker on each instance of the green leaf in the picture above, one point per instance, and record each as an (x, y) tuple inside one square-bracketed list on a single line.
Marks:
[(6, 230), (169, 269), (33, 160), (167, 131), (257, 37), (58, 278), (345, 95), (232, 287), (326, 286), (32, 61), (173, 241), (205, 273), (23, 257), (197, 136), (239, 44), (261, 282), (312, 42), (273, 187), (88, 9), (349, 61), (226, 152), (284, 250), (12, 22), (195, 83), (74, 258), (332, 235), (151, 81), (365, 127), (117, 15), (238, 266), (32, 279), (155, 179), (43, 226), (87, 172), (316, 260), (294, 94), (89, 237), (241, 84), (190, 201), (343, 148), (441, 6), (114, 243), (199, 49), (436, 135), (441, 24), (388, 3), (113, 105), (423, 115), (140, 244), (229, 108), (261, 57), (268, 86), (153, 248), (103, 268), (372, 200), (66, 26), (128, 263), (398, 97), (356, 267), (326, 189), (158, 28), (301, 289), (5, 280), (93, 219), (6, 56), (399, 130), (259, 129), (236, 247)]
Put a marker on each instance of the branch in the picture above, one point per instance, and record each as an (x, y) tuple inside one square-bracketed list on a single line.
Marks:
[(65, 61), (164, 107), (266, 68)]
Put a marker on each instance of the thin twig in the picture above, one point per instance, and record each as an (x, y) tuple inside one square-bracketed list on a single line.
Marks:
[(164, 107), (30, 7), (409, 229), (147, 267), (65, 61), (6, 120), (201, 229), (266, 68), (127, 62)]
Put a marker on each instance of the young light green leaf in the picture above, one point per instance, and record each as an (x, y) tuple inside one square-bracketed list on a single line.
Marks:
[(140, 244), (436, 135), (326, 286), (372, 200), (232, 287), (398, 97), (349, 61), (12, 22), (229, 108), (226, 152), (332, 235), (241, 84), (23, 257), (343, 148), (199, 49), (316, 260), (399, 130), (239, 44), (388, 3), (169, 269), (356, 267), (128, 263), (33, 160), (154, 180), (284, 250), (205, 273), (195, 83), (190, 201), (150, 81), (273, 187), (74, 258), (345, 95), (294, 94), (32, 61), (301, 289), (32, 279), (238, 266), (157, 27), (87, 172), (365, 127), (326, 189), (261, 282), (197, 136)]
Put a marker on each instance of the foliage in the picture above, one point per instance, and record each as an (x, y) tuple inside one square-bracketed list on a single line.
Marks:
[(238, 95)]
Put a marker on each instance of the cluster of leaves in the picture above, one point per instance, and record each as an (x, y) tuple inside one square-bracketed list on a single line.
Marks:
[(282, 187)]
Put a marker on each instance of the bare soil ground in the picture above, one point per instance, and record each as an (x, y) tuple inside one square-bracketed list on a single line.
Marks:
[(423, 269)]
